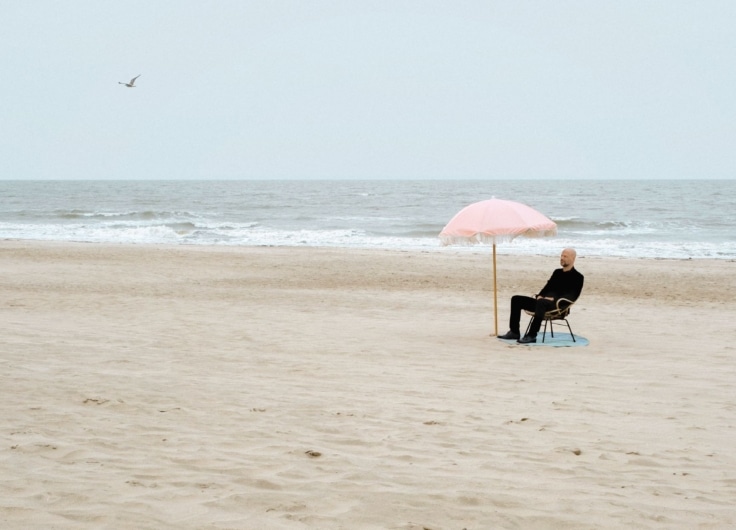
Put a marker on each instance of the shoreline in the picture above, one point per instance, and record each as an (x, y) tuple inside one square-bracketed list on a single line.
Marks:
[(459, 249), (502, 249), (295, 387)]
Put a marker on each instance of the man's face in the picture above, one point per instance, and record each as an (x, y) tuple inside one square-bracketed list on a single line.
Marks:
[(566, 259)]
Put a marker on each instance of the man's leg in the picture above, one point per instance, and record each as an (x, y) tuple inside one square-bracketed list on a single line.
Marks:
[(541, 306), (518, 304)]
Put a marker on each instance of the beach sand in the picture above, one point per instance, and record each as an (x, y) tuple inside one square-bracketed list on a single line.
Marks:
[(288, 388)]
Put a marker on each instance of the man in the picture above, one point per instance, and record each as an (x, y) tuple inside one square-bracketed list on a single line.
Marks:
[(564, 283)]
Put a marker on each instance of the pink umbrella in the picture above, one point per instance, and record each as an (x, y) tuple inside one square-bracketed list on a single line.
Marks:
[(494, 221)]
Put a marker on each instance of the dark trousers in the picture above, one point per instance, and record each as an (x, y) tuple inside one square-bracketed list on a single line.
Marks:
[(527, 303)]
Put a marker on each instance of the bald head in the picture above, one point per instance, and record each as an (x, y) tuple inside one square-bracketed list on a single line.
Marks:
[(567, 259)]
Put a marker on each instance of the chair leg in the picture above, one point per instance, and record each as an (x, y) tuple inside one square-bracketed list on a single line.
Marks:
[(551, 328), (569, 328), (529, 326)]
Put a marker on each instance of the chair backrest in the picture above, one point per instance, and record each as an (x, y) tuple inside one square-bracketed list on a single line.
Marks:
[(560, 313)]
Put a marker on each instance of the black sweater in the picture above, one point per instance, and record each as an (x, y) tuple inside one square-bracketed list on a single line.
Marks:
[(563, 285)]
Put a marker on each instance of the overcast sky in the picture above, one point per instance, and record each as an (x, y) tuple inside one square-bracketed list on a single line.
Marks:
[(368, 89)]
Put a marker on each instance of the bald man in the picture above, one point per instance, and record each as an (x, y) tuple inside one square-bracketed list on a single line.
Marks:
[(566, 282)]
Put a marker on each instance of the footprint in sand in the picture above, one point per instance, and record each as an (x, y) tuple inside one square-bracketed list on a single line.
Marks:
[(96, 401)]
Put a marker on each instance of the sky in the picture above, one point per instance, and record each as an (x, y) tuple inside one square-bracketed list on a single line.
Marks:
[(348, 89)]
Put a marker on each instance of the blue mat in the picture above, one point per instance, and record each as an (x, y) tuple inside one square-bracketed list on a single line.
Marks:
[(560, 340)]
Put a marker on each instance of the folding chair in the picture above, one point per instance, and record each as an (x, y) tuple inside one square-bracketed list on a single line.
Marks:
[(559, 313)]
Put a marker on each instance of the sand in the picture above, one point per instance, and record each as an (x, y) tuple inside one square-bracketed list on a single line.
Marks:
[(290, 388)]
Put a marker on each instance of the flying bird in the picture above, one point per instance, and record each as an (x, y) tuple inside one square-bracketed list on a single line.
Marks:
[(132, 82)]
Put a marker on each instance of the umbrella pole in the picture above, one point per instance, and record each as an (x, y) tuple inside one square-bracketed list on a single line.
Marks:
[(495, 296)]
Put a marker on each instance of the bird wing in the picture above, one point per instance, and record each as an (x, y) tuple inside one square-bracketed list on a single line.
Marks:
[(132, 81)]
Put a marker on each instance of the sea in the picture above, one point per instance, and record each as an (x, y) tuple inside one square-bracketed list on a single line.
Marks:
[(667, 219)]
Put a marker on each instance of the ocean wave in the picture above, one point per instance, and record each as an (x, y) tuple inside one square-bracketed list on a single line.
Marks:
[(576, 223), (145, 215), (619, 219), (253, 234)]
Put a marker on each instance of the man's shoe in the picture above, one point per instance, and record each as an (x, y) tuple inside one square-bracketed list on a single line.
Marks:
[(510, 335), (527, 339)]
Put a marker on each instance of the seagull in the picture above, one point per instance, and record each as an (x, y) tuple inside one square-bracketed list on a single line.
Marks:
[(132, 82)]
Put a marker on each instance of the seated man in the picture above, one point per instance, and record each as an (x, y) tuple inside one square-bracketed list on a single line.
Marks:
[(564, 283)]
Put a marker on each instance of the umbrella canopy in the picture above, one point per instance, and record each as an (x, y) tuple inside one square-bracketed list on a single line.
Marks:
[(494, 221)]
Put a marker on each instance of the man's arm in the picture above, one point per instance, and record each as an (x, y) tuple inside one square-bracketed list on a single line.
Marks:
[(546, 290)]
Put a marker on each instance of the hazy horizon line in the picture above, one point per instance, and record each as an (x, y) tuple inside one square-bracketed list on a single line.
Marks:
[(350, 179)]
